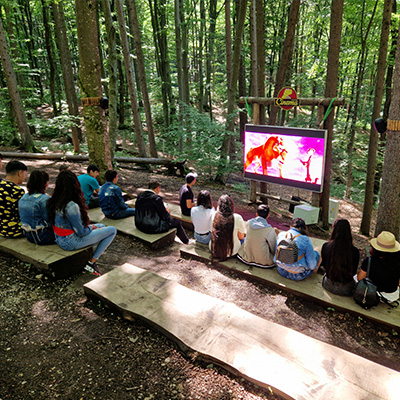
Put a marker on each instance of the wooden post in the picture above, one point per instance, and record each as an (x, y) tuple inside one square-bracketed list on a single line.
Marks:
[(253, 184)]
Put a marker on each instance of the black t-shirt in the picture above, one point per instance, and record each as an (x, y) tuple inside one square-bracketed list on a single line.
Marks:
[(325, 254), (384, 272), (185, 193)]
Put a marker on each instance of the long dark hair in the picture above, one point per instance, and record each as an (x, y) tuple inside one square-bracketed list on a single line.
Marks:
[(37, 181), (341, 252), (67, 189), (222, 230), (204, 199)]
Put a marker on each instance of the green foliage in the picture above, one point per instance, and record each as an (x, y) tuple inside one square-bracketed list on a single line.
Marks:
[(201, 142)]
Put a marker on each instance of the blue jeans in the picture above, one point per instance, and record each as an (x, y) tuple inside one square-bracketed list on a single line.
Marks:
[(102, 235), (128, 212), (295, 277), (41, 237), (204, 239)]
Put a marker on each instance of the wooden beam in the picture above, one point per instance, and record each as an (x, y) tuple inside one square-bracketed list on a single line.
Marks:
[(79, 157), (340, 101)]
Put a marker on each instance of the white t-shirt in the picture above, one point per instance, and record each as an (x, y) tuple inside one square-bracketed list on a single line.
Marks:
[(201, 218), (239, 226)]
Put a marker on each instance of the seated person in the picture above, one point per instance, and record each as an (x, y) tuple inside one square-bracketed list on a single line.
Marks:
[(307, 258), (71, 224), (33, 209), (228, 230), (340, 260), (385, 265), (186, 196), (259, 247), (111, 201), (10, 193), (202, 215), (151, 216), (89, 185)]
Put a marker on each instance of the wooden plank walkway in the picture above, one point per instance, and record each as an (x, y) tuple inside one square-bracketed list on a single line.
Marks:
[(127, 226), (310, 288), (296, 366), (50, 259)]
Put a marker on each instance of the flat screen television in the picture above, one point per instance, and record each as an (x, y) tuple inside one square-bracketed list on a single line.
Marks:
[(285, 156)]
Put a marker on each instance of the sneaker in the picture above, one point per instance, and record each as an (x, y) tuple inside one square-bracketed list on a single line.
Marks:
[(92, 268)]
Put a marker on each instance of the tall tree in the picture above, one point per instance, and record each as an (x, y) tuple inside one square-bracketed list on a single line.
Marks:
[(50, 56), (364, 33), (130, 79), (212, 16), (11, 79), (233, 81), (373, 134), (90, 84), (389, 201), (142, 76), (159, 24), (67, 72), (332, 73), (112, 67), (286, 56)]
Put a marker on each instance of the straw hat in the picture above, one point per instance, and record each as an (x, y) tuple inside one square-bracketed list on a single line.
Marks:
[(385, 242)]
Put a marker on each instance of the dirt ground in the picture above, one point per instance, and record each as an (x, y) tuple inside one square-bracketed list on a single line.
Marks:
[(56, 344)]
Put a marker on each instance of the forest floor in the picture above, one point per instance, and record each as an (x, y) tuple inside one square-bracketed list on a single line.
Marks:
[(56, 344)]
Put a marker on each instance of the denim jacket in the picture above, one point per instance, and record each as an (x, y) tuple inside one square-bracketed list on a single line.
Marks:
[(72, 220), (304, 246), (111, 200), (33, 211)]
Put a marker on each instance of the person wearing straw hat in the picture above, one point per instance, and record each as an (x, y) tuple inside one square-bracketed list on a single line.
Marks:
[(385, 265)]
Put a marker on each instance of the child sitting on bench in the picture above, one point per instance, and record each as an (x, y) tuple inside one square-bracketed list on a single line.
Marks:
[(68, 214), (33, 209), (10, 193), (112, 203)]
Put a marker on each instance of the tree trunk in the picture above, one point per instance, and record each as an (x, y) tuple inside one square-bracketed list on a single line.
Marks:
[(11, 79), (67, 72), (230, 119), (330, 92), (389, 201), (200, 98), (159, 24), (131, 79), (112, 66), (210, 55), (286, 56), (373, 135), (49, 51), (360, 79), (90, 83), (142, 76)]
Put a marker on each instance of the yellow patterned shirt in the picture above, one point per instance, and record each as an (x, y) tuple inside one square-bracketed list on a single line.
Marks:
[(10, 224)]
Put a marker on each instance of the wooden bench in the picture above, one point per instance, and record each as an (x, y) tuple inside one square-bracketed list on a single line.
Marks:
[(127, 226), (310, 288), (268, 354), (50, 259), (177, 213)]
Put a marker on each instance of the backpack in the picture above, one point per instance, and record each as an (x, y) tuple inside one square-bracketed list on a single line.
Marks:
[(366, 294), (287, 251)]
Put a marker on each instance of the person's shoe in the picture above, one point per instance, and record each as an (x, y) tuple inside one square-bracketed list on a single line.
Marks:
[(92, 268)]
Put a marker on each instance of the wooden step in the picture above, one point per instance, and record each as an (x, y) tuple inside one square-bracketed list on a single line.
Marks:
[(294, 365)]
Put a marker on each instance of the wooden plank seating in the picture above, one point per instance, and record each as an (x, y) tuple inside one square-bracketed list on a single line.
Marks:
[(295, 365), (310, 288), (50, 259), (177, 213), (127, 226)]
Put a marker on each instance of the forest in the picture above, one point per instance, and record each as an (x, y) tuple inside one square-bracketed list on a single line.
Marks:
[(172, 73)]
